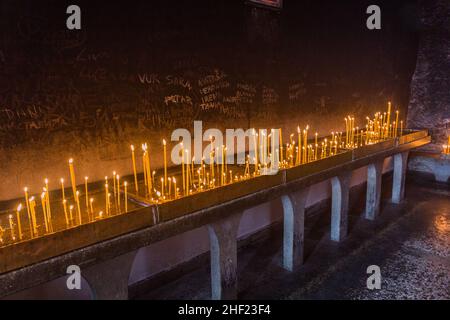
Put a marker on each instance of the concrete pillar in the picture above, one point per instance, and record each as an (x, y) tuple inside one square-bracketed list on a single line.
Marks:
[(223, 243), (294, 228), (373, 197), (340, 186), (398, 183), (109, 279)]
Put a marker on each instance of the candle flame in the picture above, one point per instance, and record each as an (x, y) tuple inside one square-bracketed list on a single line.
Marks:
[(19, 207)]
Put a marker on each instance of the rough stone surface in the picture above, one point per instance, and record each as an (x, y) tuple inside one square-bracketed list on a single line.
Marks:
[(373, 196), (398, 185), (109, 279), (223, 242), (340, 187), (429, 105), (439, 167), (294, 228)]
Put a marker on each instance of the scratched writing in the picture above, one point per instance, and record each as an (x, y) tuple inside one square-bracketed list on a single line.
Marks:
[(176, 98), (178, 81), (85, 56), (296, 91), (151, 78)]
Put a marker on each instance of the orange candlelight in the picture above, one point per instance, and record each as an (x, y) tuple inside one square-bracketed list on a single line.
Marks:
[(126, 198), (134, 169), (19, 227)]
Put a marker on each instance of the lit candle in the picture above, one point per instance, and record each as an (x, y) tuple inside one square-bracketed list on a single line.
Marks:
[(33, 215), (71, 213), (182, 167), (11, 227), (144, 166), (62, 188), (281, 145), (388, 122), (162, 187), (255, 137), (299, 146), (223, 165), (305, 141), (114, 188), (352, 132), (106, 198), (192, 171), (401, 128), (247, 167), (170, 187), (72, 177), (91, 206), (187, 171), (65, 212), (217, 154), (44, 211), (126, 198), (396, 123), (134, 169), (346, 132), (78, 205), (28, 211), (86, 192), (147, 170), (48, 208), (19, 226), (150, 183), (165, 163), (175, 187), (153, 177), (118, 192), (315, 146)]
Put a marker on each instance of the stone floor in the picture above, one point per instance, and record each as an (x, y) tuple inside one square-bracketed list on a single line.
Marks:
[(409, 242)]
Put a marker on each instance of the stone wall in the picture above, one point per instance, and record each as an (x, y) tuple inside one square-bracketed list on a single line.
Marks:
[(429, 106)]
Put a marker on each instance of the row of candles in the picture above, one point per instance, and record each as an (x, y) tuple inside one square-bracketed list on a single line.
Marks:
[(73, 212), (200, 177), (195, 177)]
